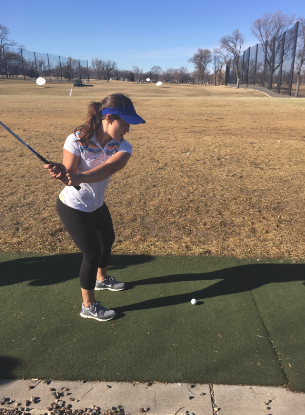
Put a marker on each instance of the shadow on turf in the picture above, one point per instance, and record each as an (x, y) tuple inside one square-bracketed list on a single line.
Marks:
[(7, 367), (229, 281), (49, 270)]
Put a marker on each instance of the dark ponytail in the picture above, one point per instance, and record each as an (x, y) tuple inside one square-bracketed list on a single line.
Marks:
[(92, 123), (95, 117)]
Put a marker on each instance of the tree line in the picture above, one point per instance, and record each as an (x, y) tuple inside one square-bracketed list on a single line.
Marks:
[(209, 66), (14, 63)]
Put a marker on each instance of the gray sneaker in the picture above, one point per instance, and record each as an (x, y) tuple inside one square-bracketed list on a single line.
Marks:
[(109, 284), (97, 312)]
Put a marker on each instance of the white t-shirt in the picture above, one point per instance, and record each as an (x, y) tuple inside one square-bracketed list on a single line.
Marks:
[(91, 195)]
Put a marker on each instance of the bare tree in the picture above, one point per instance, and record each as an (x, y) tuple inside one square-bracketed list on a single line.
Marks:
[(182, 75), (221, 74), (217, 64), (255, 73), (155, 73), (73, 65), (4, 39), (41, 65), (98, 68), (67, 70), (300, 53), (193, 77), (57, 71), (122, 74), (229, 51), (138, 73), (12, 61), (201, 60), (169, 75), (4, 42), (109, 68), (269, 27), (21, 48)]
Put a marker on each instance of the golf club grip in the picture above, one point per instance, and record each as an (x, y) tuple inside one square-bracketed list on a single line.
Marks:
[(46, 162)]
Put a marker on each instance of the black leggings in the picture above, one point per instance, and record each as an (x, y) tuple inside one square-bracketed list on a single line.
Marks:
[(93, 234)]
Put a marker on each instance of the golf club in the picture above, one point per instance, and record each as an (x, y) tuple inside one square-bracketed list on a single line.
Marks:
[(30, 148)]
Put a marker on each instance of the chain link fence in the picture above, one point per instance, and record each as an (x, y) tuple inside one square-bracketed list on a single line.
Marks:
[(18, 62), (276, 67)]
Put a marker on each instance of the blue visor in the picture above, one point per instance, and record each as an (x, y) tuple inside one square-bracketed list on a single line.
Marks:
[(127, 113)]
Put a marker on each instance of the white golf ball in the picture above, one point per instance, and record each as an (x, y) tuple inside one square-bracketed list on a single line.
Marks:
[(194, 301)]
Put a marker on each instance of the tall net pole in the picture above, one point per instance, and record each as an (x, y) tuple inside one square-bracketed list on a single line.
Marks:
[(248, 62), (49, 67), (241, 81), (271, 66), (60, 68), (5, 64), (265, 63), (22, 64), (255, 65), (281, 65), (293, 55), (36, 65), (227, 74)]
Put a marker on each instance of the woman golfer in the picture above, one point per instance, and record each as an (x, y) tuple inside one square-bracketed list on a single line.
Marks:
[(94, 152)]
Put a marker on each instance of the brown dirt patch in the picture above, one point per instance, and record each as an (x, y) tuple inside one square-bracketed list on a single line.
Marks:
[(239, 192)]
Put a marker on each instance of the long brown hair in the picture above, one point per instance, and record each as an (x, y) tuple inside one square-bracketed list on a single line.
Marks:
[(95, 117)]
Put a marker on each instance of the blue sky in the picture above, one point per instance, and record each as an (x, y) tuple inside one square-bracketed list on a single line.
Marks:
[(137, 33)]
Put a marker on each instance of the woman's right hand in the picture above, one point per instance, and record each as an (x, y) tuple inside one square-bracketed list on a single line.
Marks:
[(71, 179), (59, 171)]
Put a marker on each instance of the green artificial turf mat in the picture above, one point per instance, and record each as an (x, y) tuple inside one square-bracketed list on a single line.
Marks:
[(280, 301), (157, 334)]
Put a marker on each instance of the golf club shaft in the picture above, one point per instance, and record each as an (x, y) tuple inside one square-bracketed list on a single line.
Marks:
[(30, 148)]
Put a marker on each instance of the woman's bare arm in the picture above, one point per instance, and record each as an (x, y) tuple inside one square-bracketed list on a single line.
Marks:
[(98, 174), (70, 161), (114, 164)]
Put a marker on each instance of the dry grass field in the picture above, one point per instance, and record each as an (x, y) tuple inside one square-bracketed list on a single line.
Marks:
[(215, 171)]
